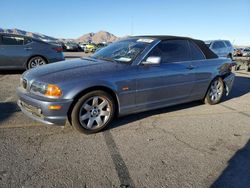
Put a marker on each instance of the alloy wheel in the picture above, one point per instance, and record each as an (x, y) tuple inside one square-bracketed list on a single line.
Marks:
[(94, 113), (216, 91), (36, 62)]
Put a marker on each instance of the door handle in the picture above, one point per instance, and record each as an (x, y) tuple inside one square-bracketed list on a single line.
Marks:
[(190, 67), (28, 48)]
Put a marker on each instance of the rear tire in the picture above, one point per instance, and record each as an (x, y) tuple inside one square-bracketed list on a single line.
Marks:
[(215, 92), (36, 62), (237, 67), (93, 112), (248, 68)]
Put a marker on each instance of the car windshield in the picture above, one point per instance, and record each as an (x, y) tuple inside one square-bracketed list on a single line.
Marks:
[(123, 51)]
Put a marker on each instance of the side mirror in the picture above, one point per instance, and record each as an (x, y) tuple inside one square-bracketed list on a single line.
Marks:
[(152, 60)]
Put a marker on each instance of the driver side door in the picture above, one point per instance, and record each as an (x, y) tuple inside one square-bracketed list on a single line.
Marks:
[(169, 82)]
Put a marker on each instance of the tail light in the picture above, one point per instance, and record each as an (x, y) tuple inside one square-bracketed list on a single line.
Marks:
[(58, 49)]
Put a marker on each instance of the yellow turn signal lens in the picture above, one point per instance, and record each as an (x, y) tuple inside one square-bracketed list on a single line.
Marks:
[(56, 107), (53, 91)]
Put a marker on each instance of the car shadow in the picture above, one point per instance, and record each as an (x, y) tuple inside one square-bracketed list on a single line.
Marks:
[(7, 109), (237, 173), (241, 87), (136, 117), (11, 72)]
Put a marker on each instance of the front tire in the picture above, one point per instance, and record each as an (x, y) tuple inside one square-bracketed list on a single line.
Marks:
[(215, 92), (93, 112)]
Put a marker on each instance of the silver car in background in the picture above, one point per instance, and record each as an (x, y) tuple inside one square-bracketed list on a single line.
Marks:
[(223, 48), (246, 52), (22, 52)]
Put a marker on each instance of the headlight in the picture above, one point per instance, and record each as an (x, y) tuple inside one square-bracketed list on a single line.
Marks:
[(48, 90)]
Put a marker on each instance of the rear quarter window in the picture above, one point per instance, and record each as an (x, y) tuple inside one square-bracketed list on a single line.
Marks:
[(196, 53), (27, 40), (228, 43)]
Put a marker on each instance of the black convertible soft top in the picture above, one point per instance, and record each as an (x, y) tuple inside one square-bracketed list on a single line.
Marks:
[(207, 52)]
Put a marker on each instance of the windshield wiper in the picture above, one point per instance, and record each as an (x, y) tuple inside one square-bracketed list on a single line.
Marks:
[(88, 58)]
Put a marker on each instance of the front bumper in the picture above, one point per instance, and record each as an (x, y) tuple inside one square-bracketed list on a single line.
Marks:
[(229, 80), (37, 108)]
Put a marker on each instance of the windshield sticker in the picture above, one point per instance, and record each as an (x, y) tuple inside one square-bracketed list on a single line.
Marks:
[(145, 40)]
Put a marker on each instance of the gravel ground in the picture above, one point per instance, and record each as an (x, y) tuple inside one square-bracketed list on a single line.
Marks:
[(189, 145)]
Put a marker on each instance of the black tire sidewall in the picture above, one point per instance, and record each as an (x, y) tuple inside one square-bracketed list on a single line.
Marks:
[(76, 110)]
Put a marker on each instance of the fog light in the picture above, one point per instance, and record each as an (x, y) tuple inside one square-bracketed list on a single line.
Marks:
[(55, 107)]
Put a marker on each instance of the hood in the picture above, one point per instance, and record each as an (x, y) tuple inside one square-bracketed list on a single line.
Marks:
[(73, 69)]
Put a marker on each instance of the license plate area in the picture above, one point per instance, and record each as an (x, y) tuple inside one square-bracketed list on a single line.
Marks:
[(32, 109)]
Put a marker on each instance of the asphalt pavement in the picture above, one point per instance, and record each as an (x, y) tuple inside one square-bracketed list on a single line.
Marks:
[(189, 145)]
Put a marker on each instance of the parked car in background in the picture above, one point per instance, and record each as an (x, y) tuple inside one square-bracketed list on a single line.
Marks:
[(128, 76), (62, 44), (100, 46), (71, 46), (22, 52), (223, 48), (246, 52), (90, 48), (82, 45), (238, 52)]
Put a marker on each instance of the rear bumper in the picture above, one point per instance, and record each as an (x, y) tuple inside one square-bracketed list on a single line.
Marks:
[(229, 80), (58, 57), (38, 109)]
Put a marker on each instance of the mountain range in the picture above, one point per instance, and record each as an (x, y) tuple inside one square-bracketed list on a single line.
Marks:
[(101, 36)]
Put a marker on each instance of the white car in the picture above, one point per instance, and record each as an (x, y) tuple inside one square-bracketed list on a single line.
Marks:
[(246, 52), (223, 48), (82, 46)]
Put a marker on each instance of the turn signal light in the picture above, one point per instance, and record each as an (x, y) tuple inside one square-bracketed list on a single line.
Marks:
[(53, 91), (56, 107)]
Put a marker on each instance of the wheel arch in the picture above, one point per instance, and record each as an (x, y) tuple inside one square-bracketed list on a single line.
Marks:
[(95, 88)]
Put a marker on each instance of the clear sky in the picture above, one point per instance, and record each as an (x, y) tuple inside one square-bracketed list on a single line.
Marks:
[(202, 19)]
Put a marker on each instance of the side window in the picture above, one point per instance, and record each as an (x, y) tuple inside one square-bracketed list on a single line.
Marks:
[(172, 51), (222, 45), (196, 52), (12, 40), (27, 40), (216, 45), (228, 43)]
